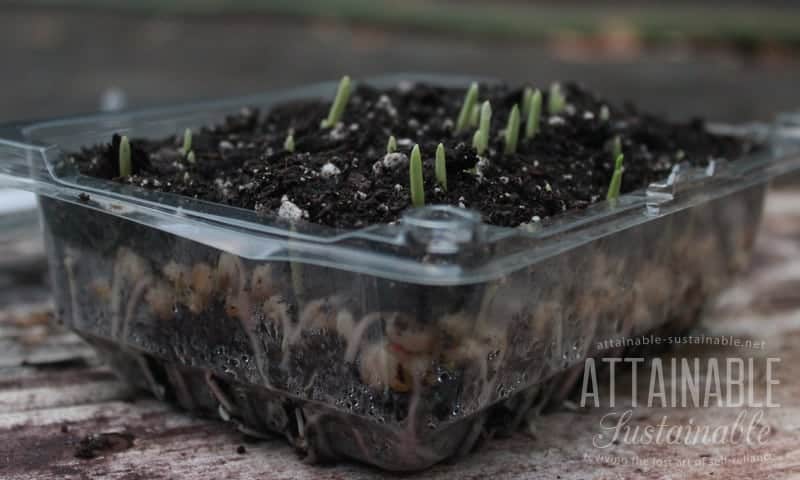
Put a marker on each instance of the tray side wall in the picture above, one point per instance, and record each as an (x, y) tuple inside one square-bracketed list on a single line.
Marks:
[(418, 371)]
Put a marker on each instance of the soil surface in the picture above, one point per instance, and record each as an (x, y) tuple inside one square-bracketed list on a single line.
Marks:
[(340, 177)]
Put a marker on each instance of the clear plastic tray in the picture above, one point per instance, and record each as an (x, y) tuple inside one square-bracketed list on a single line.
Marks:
[(21, 241), (398, 345)]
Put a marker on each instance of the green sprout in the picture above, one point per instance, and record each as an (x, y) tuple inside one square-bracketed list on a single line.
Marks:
[(440, 167), (616, 179), (339, 103), (481, 139), (605, 113), (125, 168), (470, 99), (535, 112), (288, 144), (415, 178), (475, 116), (187, 141), (527, 96), (391, 145), (616, 147), (512, 131), (191, 158), (556, 100)]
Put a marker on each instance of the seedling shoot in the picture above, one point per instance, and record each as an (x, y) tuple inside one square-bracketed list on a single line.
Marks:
[(475, 116), (556, 100), (416, 184), (605, 113), (534, 114), (527, 96), (124, 157), (616, 148), (187, 141), (616, 179), (440, 167), (470, 99), (481, 139), (339, 103), (288, 144), (512, 131)]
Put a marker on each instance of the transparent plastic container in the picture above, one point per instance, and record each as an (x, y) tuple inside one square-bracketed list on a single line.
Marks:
[(397, 345), (20, 236)]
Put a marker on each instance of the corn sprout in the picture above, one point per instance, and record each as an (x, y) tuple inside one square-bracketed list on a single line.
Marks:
[(475, 116), (125, 168), (191, 158), (616, 148), (339, 103), (481, 139), (391, 145), (187, 141), (556, 100), (605, 113), (616, 179), (470, 99), (288, 144), (512, 131), (535, 112), (440, 167), (527, 96), (416, 184)]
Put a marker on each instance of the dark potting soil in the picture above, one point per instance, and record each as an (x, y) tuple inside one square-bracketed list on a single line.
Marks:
[(337, 177)]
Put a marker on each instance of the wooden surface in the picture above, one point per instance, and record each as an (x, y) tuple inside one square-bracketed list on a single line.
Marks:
[(54, 392)]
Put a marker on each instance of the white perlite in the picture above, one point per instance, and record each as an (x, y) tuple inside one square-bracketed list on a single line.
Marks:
[(394, 160), (384, 103), (290, 210), (338, 132), (329, 170), (480, 167), (556, 120)]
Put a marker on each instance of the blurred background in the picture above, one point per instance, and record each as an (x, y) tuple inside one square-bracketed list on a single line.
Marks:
[(727, 60)]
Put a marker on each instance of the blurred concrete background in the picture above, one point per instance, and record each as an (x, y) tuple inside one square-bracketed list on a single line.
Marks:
[(732, 60)]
